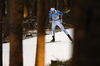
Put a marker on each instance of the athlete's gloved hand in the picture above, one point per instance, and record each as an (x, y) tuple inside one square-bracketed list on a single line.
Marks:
[(61, 21), (50, 21)]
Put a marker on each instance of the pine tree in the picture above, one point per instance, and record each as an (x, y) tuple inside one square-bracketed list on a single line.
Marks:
[(26, 8), (41, 17), (65, 5), (15, 19), (86, 18), (1, 15), (61, 5)]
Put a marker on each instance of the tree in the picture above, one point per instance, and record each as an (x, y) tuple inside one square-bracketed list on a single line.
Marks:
[(86, 18), (52, 3), (26, 8), (15, 19), (57, 4), (65, 5), (61, 5), (3, 7), (1, 15), (41, 18), (34, 9), (69, 4)]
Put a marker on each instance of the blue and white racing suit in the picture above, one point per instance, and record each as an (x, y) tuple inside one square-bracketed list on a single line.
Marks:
[(56, 20)]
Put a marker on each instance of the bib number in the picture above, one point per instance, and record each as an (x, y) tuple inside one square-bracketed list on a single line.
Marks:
[(55, 18)]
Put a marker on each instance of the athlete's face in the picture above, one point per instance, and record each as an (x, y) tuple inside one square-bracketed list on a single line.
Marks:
[(53, 11)]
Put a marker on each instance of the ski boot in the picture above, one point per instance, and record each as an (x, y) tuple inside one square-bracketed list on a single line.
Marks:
[(70, 37), (53, 39)]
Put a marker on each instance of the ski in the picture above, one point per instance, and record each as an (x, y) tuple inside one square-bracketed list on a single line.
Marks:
[(52, 42)]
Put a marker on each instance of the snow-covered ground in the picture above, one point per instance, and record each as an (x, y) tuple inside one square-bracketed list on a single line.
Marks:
[(53, 51)]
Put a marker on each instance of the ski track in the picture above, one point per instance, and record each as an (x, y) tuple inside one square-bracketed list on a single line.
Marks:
[(53, 51)]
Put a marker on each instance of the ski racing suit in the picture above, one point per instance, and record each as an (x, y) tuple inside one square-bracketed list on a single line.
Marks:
[(56, 20)]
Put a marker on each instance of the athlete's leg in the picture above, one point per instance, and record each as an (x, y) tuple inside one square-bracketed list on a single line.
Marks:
[(62, 28), (53, 28), (53, 31)]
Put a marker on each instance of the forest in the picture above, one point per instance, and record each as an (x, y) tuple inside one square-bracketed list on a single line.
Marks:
[(18, 17), (30, 16)]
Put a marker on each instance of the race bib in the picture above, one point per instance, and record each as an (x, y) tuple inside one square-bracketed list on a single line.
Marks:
[(55, 18)]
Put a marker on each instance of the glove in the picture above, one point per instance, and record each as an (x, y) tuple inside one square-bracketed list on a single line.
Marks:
[(50, 21), (61, 21)]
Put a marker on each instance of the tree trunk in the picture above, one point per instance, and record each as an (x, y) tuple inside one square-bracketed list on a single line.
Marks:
[(57, 4), (33, 7), (61, 5), (52, 3), (1, 15), (69, 4), (3, 7), (86, 18), (15, 19), (41, 17), (65, 5), (6, 26), (26, 8)]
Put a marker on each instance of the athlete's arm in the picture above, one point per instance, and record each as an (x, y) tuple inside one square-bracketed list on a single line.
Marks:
[(50, 17), (61, 15)]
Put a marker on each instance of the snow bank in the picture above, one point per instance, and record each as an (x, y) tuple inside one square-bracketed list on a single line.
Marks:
[(53, 51)]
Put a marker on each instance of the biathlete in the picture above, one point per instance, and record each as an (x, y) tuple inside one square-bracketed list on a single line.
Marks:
[(56, 20)]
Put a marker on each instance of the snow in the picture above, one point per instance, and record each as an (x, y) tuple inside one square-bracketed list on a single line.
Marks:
[(61, 50)]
